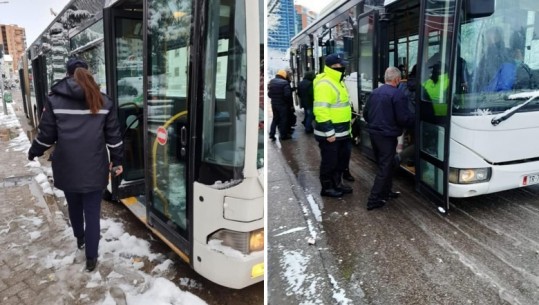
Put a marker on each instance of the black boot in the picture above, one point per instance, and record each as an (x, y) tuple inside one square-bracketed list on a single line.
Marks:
[(80, 242), (339, 186), (91, 263), (329, 191), (345, 189), (347, 176)]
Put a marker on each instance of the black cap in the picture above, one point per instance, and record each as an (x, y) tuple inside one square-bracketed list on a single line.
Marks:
[(74, 63), (335, 58)]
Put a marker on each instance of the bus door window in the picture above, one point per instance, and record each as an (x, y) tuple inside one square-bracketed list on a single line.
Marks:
[(129, 46), (169, 39), (225, 104), (367, 79), (434, 80)]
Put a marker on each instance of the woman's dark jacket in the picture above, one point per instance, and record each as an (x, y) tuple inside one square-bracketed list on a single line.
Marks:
[(80, 161), (387, 113)]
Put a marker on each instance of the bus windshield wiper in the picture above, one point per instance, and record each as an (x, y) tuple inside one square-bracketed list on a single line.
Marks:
[(532, 95)]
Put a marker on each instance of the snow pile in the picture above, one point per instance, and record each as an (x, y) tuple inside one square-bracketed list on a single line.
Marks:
[(121, 252), (10, 120), (43, 181), (20, 143)]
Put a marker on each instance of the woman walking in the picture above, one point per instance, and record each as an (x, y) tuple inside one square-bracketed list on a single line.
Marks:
[(83, 123)]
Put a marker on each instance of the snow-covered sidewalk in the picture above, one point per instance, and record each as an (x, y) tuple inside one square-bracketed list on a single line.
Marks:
[(39, 261)]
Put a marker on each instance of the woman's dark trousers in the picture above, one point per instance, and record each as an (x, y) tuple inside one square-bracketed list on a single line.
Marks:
[(85, 209)]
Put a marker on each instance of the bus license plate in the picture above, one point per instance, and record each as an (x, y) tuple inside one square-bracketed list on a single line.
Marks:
[(530, 179)]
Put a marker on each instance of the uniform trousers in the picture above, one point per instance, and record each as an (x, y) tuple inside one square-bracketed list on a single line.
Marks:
[(335, 157), (84, 215), (384, 148)]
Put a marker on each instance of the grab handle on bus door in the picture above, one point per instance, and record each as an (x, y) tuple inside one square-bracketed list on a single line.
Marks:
[(183, 141)]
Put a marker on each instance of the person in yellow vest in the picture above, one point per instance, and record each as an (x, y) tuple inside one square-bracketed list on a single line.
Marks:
[(333, 114), (437, 84)]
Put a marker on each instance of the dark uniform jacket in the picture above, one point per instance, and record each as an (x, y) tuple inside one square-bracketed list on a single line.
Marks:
[(280, 92), (306, 93), (387, 112), (80, 161)]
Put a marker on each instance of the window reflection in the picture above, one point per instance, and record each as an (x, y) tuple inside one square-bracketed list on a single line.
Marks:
[(169, 27), (432, 139), (225, 104), (499, 57), (129, 72), (432, 176)]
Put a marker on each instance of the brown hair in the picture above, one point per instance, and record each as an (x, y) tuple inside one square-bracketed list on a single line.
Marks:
[(94, 100)]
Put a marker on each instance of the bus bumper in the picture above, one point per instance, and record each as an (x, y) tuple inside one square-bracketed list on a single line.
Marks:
[(230, 271), (504, 177)]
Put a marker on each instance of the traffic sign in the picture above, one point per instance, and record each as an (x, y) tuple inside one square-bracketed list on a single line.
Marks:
[(162, 135)]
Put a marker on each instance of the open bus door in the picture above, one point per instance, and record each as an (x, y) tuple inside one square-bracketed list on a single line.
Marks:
[(434, 104), (367, 79), (124, 43), (39, 68)]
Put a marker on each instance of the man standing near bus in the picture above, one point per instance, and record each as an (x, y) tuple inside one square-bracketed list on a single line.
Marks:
[(280, 93), (386, 113), (332, 113)]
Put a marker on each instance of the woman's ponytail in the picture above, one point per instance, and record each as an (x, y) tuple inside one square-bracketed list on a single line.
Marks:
[(94, 100)]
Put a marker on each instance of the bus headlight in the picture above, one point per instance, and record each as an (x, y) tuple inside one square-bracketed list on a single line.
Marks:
[(256, 241), (245, 242), (469, 175)]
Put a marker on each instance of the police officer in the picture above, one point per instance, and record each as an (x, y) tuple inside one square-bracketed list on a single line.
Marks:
[(386, 113), (280, 93), (332, 113), (83, 124)]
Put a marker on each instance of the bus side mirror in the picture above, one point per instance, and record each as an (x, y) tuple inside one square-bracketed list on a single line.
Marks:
[(479, 8)]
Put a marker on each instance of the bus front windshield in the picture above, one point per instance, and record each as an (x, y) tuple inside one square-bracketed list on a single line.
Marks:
[(499, 57)]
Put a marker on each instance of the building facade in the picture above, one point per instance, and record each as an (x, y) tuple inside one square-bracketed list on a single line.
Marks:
[(304, 17), (13, 38), (280, 35)]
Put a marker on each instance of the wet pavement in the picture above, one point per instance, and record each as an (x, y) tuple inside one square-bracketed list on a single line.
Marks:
[(39, 262), (484, 251)]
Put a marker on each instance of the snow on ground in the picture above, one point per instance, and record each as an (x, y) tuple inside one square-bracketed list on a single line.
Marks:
[(300, 282), (118, 250), (122, 252)]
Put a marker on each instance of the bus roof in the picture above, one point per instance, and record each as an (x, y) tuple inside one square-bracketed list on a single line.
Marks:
[(331, 11)]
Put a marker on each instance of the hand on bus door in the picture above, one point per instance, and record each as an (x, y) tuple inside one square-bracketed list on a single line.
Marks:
[(116, 170)]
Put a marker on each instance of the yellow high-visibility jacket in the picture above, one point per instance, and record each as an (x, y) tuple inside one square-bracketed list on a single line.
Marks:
[(332, 109)]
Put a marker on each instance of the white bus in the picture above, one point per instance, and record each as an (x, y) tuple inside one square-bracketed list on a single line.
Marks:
[(185, 76), (477, 120)]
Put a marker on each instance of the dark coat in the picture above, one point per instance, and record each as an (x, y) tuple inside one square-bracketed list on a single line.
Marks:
[(280, 92), (80, 161), (306, 92), (387, 113)]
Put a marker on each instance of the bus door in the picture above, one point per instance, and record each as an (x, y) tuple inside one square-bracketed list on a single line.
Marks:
[(436, 53), (124, 43), (41, 86), (169, 108), (367, 78)]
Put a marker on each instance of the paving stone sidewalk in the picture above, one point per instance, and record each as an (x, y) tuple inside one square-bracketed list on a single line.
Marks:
[(33, 232)]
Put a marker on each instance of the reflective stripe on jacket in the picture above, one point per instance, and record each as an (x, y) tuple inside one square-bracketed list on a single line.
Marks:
[(84, 141), (331, 107)]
